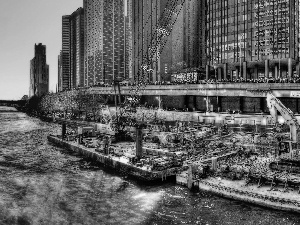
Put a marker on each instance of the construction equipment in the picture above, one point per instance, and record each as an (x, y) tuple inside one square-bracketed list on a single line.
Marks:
[(274, 105)]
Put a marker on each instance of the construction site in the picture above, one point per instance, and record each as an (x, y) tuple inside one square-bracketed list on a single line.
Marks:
[(253, 158)]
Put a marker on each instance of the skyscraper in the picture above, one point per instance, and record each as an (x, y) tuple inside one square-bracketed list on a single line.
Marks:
[(184, 49), (72, 54), (65, 54), (105, 44), (77, 48), (251, 38), (60, 77), (39, 72)]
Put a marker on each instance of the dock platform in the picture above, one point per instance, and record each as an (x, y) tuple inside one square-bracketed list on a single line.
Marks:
[(119, 164)]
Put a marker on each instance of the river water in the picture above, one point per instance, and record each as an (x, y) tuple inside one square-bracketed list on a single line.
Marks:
[(43, 184)]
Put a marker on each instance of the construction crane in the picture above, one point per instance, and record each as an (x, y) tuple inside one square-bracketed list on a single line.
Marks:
[(158, 40), (274, 105)]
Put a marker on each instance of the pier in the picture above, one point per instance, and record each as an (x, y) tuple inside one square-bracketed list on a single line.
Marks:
[(119, 164)]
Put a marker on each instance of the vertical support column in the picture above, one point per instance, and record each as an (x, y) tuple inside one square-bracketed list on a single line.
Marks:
[(195, 102), (159, 102), (63, 130), (267, 64), (139, 142), (219, 73), (119, 94), (290, 68), (237, 73), (276, 71), (207, 70), (219, 99), (245, 70), (225, 70)]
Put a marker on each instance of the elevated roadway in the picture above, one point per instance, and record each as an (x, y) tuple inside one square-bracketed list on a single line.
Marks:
[(217, 89)]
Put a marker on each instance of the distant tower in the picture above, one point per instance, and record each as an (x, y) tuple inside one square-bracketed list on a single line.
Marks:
[(60, 76), (39, 72)]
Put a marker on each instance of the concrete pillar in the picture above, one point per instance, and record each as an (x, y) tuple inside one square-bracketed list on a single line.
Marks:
[(276, 71), (139, 143), (119, 94), (256, 72), (267, 65), (105, 146), (63, 130), (207, 70), (207, 104), (225, 70), (290, 68), (219, 73), (237, 73), (219, 99), (245, 70), (194, 102)]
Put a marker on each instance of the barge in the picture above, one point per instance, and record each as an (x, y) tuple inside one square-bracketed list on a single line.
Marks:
[(119, 164)]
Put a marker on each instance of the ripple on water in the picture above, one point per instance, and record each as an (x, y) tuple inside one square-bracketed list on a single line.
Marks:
[(43, 184)]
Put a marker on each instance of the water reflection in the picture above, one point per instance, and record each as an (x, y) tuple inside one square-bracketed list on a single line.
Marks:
[(43, 184)]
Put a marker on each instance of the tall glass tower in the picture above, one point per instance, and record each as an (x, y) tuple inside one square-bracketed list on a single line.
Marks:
[(105, 44), (252, 39)]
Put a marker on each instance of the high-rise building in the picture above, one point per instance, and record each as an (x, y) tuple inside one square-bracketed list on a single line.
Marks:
[(60, 77), (252, 39), (145, 16), (184, 49), (39, 72), (72, 54), (65, 54), (77, 48), (105, 44)]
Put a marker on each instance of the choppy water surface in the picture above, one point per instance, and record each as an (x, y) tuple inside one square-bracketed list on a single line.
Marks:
[(43, 184)]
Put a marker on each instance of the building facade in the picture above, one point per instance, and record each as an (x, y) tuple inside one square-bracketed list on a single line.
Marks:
[(252, 39), (39, 72), (59, 72), (77, 48), (72, 54), (183, 50), (105, 41), (65, 54)]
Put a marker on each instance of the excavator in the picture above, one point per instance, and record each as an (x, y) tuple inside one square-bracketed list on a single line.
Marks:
[(288, 152)]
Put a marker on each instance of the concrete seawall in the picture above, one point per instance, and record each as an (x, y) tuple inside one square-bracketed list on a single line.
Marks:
[(115, 163)]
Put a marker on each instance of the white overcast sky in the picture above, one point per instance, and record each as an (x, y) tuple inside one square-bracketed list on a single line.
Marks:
[(22, 24)]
